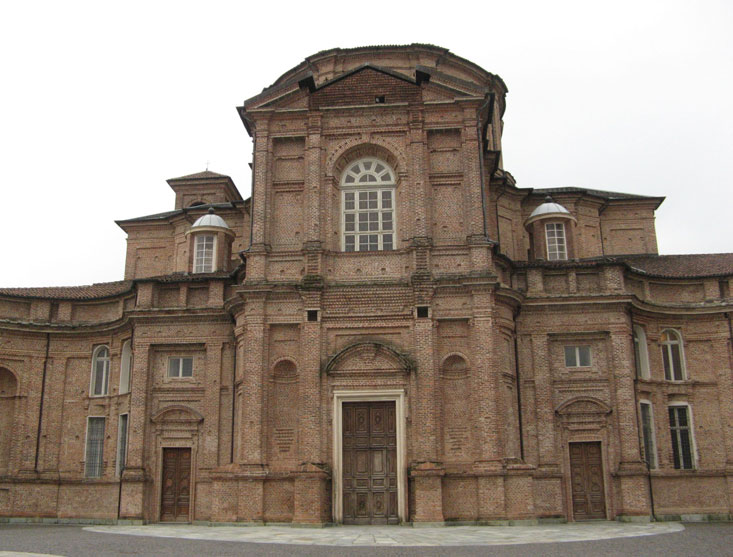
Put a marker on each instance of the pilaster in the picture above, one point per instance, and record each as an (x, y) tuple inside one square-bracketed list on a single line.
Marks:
[(251, 409), (545, 402)]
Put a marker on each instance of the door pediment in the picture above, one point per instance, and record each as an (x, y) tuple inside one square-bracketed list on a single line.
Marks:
[(374, 357)]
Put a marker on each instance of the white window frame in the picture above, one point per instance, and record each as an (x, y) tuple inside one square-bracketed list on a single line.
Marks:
[(125, 367), (652, 458), (198, 266), (104, 391), (691, 427), (641, 352), (667, 349), (101, 452), (180, 367), (576, 354), (350, 185), (558, 250), (122, 443)]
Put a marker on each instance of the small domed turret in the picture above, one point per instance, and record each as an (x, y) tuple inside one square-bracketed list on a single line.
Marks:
[(210, 220), (548, 209)]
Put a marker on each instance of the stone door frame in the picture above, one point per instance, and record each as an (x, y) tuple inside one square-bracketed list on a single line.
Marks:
[(607, 485), (377, 395)]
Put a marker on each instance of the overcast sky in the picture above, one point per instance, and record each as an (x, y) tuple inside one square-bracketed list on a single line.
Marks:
[(102, 102)]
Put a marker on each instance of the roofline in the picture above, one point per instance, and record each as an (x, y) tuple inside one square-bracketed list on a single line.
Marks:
[(164, 216), (302, 71), (589, 192)]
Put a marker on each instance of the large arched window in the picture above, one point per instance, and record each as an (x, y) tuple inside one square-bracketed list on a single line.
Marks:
[(100, 372), (367, 202), (641, 355), (673, 356)]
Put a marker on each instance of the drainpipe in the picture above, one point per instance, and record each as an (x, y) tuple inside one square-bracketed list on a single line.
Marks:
[(119, 492), (234, 398), (519, 392), (639, 426), (127, 433), (496, 210), (600, 226), (481, 168), (251, 198), (43, 392), (728, 316)]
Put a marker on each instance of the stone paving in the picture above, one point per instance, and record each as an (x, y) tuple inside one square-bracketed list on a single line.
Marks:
[(392, 536), (23, 554)]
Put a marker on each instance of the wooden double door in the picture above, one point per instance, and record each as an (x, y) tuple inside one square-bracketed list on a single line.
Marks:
[(586, 476), (175, 503), (369, 463)]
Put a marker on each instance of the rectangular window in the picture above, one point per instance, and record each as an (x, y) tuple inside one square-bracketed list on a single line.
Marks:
[(681, 430), (121, 443), (647, 432), (94, 457), (556, 247), (204, 254), (577, 356), (368, 220), (180, 367)]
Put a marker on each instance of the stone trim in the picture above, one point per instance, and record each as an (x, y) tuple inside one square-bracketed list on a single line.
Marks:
[(399, 398)]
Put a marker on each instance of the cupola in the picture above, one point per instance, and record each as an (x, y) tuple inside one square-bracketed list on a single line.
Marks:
[(551, 230), (210, 244)]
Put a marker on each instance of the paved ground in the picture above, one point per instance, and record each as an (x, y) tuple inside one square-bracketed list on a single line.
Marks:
[(707, 540), (394, 536)]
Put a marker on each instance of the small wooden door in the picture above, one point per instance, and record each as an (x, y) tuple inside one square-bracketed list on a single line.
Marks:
[(586, 473), (176, 493), (369, 463)]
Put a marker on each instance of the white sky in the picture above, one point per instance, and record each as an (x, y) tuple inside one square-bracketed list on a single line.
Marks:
[(101, 102)]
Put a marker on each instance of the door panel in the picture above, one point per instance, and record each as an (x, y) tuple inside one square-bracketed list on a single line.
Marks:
[(176, 490), (369, 463), (586, 478)]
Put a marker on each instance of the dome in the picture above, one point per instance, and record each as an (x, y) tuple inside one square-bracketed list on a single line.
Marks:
[(549, 209), (210, 220)]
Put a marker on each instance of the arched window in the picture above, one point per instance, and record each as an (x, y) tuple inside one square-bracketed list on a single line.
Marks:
[(367, 201), (673, 356), (641, 354), (125, 367), (100, 372)]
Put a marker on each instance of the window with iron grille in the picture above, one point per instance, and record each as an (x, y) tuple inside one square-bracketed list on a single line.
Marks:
[(680, 428), (556, 246), (203, 254), (94, 456), (368, 200)]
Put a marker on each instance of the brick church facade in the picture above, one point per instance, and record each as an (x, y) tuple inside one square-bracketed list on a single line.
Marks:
[(388, 330)]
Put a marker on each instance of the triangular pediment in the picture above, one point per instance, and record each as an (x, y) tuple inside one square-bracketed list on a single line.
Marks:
[(366, 85)]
